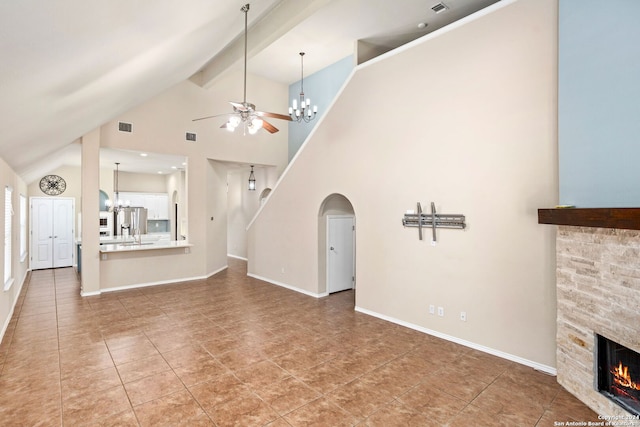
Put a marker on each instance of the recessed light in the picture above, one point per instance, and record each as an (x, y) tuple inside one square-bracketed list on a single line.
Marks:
[(143, 154)]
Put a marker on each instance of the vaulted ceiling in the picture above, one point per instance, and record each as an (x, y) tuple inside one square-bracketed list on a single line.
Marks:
[(70, 66)]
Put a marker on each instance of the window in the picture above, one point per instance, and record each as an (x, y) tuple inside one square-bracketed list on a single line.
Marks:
[(8, 214), (23, 227)]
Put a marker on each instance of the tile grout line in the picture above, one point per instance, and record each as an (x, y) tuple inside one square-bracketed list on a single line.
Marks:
[(55, 298)]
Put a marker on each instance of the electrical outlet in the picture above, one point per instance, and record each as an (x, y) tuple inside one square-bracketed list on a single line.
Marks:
[(432, 309), (441, 311), (463, 316)]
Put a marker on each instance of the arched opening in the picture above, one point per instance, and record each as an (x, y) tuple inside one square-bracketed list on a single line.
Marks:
[(336, 245), (103, 201), (263, 195)]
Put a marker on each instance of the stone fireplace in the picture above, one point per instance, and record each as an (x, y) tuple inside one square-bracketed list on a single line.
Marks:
[(598, 290)]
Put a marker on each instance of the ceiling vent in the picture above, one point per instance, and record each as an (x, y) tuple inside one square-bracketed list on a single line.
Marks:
[(190, 136), (125, 127), (439, 8)]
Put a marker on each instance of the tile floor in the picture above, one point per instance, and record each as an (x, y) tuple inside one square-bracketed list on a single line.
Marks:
[(232, 350)]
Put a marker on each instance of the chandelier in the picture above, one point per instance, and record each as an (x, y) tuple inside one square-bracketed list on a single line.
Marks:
[(304, 112), (118, 204)]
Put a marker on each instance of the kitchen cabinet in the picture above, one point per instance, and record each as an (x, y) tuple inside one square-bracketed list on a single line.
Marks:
[(157, 204)]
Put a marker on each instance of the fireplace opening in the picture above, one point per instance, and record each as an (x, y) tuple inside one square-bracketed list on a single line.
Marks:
[(618, 373)]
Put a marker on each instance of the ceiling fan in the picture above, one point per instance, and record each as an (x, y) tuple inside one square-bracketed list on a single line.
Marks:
[(244, 112)]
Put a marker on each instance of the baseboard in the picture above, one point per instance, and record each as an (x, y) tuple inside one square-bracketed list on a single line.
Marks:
[(291, 288), (535, 365), (148, 284), (238, 257), (218, 271)]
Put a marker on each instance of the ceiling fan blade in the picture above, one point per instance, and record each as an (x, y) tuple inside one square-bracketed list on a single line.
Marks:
[(273, 115), (211, 117), (269, 127)]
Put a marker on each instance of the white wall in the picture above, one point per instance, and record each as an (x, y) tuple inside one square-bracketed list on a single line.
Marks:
[(9, 297), (468, 121), (243, 205), (142, 182)]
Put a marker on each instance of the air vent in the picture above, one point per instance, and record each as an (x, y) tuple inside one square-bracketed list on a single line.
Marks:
[(439, 8), (191, 136), (125, 127)]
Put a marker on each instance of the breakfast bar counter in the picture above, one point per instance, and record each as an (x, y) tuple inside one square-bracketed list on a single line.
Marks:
[(130, 246)]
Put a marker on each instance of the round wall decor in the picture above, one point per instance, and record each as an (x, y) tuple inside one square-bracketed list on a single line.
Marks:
[(53, 185)]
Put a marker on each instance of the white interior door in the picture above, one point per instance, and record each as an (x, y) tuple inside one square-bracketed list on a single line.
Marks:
[(51, 232), (41, 233), (340, 253), (62, 233)]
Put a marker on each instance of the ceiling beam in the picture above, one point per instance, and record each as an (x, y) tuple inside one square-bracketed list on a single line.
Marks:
[(282, 18)]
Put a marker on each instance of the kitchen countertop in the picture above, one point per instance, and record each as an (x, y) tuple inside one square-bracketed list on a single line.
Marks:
[(130, 245), (110, 244), (106, 240)]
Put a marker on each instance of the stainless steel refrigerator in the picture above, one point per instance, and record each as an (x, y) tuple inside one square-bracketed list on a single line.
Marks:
[(131, 221)]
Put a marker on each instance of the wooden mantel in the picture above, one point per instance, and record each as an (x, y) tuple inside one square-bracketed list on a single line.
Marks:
[(624, 218)]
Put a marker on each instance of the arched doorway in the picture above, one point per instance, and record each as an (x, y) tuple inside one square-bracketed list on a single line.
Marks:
[(336, 244), (263, 195)]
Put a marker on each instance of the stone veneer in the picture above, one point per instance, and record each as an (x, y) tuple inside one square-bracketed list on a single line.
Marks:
[(598, 289)]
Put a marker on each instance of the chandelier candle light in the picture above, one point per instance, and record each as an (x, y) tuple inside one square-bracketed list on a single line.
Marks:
[(305, 112)]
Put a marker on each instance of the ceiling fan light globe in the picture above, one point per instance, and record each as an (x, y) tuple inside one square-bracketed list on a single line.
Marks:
[(257, 123), (234, 121)]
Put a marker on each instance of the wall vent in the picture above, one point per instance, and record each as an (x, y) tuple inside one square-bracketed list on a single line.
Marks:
[(191, 136), (125, 127), (440, 7)]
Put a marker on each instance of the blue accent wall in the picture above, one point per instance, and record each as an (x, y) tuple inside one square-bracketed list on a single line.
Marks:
[(321, 87), (599, 103)]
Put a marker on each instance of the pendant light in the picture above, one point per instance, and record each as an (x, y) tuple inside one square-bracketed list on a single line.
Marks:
[(252, 180), (117, 205), (303, 111)]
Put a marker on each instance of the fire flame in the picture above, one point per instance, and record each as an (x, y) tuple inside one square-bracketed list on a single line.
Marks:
[(622, 377)]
